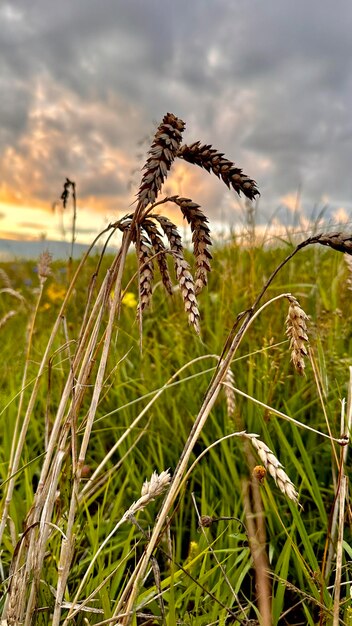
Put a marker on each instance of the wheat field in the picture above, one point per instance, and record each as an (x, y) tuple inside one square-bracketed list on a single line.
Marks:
[(175, 421)]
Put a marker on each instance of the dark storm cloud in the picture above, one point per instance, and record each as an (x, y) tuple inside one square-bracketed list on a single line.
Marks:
[(269, 83)]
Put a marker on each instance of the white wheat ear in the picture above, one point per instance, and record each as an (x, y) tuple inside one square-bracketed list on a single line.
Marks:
[(274, 467)]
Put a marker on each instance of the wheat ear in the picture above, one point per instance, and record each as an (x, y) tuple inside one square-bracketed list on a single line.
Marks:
[(338, 241), (296, 330), (146, 274), (162, 153), (200, 237), (213, 161), (230, 395), (183, 274), (274, 467), (160, 252)]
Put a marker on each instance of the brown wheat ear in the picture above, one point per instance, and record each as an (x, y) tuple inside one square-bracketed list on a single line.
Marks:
[(213, 161), (338, 241), (200, 237), (183, 274), (296, 330), (162, 153), (159, 250), (146, 272)]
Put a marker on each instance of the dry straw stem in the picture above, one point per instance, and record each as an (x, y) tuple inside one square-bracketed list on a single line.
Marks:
[(200, 237), (45, 496), (296, 330), (210, 159), (274, 467)]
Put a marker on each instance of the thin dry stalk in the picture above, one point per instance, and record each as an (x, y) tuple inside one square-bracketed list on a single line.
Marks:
[(343, 491), (200, 237), (256, 535), (296, 330), (207, 157), (204, 521), (35, 549), (67, 548), (20, 432), (346, 427)]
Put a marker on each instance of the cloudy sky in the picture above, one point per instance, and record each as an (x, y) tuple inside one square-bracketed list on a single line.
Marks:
[(83, 83)]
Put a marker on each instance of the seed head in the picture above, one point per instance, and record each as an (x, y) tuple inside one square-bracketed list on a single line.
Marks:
[(296, 330)]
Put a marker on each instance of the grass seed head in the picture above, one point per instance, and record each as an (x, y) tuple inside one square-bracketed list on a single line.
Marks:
[(162, 153), (296, 330), (213, 161), (200, 237), (274, 467), (44, 266), (183, 274), (159, 250), (229, 392), (146, 273), (337, 241)]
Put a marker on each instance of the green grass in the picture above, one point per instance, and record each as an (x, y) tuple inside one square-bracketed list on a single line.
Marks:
[(295, 539)]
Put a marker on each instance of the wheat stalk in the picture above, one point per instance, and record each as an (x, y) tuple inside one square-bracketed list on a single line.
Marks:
[(207, 157), (296, 330)]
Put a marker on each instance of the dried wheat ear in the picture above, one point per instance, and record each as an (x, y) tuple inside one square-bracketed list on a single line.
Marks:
[(148, 240)]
